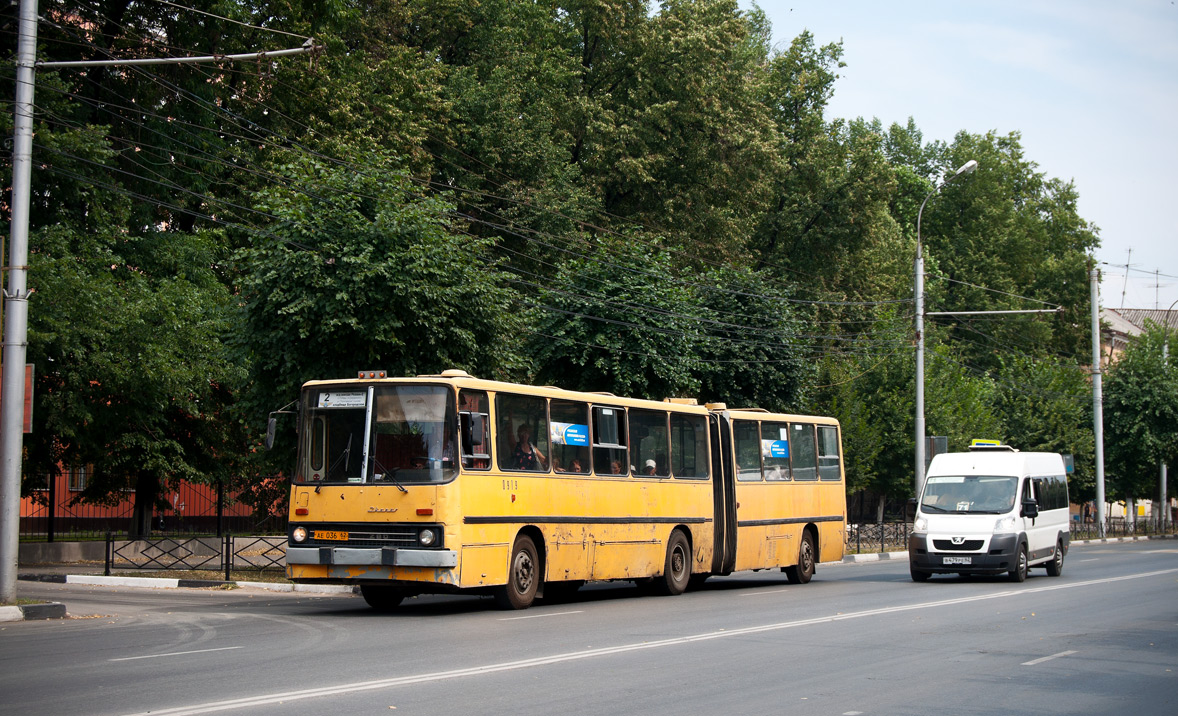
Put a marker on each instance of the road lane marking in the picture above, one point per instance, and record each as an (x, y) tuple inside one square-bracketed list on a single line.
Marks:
[(539, 616), (1042, 659), (176, 653), (360, 686)]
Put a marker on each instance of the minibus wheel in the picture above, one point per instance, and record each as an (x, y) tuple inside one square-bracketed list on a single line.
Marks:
[(1055, 566), (1019, 572)]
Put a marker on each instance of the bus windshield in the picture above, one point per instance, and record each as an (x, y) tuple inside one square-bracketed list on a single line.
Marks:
[(377, 434), (977, 494)]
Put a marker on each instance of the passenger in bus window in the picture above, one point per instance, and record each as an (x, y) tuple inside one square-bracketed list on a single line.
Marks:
[(615, 468), (527, 456), (650, 468), (576, 465)]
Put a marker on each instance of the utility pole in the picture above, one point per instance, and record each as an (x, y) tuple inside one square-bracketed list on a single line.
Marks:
[(1097, 398), (16, 297), (16, 303)]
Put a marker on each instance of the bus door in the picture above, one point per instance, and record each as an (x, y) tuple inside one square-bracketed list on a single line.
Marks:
[(723, 495)]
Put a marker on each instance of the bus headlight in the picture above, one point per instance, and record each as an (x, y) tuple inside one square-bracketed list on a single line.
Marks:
[(920, 526), (427, 537), (298, 534)]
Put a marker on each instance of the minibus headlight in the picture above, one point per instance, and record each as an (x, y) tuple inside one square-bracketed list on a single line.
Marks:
[(1006, 524), (427, 537), (920, 525), (299, 534)]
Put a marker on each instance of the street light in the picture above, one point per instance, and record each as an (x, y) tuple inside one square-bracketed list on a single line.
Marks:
[(918, 290)]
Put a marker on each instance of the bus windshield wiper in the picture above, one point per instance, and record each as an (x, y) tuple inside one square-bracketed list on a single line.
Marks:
[(386, 474), (926, 508)]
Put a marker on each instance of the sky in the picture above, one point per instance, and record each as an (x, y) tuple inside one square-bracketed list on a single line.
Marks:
[(1091, 86)]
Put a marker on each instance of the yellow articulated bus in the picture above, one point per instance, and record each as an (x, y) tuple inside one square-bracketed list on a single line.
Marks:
[(448, 483)]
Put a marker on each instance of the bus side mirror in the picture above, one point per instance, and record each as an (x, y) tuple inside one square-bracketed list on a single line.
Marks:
[(271, 426), (1030, 509)]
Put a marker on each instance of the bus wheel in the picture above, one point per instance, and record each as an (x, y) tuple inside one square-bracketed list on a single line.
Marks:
[(381, 597), (801, 572), (1055, 566), (677, 569), (523, 576)]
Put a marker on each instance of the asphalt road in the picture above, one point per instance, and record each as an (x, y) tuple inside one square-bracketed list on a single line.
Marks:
[(859, 639)]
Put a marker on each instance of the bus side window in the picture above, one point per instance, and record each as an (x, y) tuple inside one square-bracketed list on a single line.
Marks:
[(805, 452), (828, 453), (570, 436), (689, 446), (648, 440), (746, 440), (522, 425), (609, 441), (475, 424), (775, 451)]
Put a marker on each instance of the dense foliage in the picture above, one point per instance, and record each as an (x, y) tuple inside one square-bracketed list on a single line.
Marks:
[(620, 195)]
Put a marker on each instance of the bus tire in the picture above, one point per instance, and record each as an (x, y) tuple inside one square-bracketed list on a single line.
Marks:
[(677, 567), (1055, 566), (382, 597), (801, 572), (1018, 573), (523, 576), (918, 575)]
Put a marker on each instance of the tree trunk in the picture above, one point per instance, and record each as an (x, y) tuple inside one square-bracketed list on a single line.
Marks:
[(879, 509), (146, 491)]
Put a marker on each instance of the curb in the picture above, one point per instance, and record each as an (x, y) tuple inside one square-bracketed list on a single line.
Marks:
[(29, 612), (171, 583)]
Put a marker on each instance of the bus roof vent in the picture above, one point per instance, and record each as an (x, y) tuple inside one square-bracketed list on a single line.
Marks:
[(716, 406), (681, 401), (455, 373)]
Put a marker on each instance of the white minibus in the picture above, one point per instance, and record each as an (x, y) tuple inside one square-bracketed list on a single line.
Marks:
[(992, 510)]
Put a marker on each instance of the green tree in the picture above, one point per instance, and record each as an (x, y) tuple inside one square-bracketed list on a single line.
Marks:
[(362, 271), (1047, 407), (615, 318), (1140, 417)]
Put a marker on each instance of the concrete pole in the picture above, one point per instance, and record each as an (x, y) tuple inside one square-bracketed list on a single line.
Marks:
[(1097, 399), (920, 429), (16, 303)]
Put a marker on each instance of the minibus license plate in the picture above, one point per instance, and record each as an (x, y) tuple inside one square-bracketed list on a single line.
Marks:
[(331, 535), (957, 560)]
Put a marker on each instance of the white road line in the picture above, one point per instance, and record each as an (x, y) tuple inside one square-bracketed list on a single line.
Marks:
[(176, 653), (1042, 659), (287, 697), (540, 616), (1094, 559)]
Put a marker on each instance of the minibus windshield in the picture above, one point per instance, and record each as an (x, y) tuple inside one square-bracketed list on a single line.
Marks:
[(972, 494)]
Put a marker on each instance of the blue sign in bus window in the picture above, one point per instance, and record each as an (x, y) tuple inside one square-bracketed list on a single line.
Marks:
[(775, 448), (570, 434)]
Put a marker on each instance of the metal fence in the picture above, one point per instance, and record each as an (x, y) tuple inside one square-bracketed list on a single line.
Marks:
[(191, 510), (1118, 527), (863, 537), (220, 554)]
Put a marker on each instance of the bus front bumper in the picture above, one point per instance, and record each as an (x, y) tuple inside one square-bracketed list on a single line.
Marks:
[(373, 556), (1000, 557)]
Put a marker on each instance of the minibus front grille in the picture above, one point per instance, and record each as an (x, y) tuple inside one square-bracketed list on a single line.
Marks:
[(969, 545)]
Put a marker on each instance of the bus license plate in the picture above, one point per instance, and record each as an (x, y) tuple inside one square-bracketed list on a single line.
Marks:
[(957, 560), (331, 535)]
